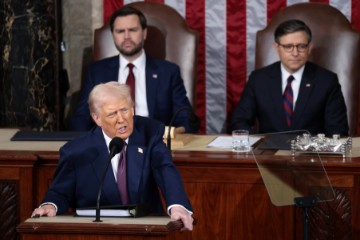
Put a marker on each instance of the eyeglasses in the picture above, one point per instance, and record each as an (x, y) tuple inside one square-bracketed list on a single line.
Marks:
[(290, 47)]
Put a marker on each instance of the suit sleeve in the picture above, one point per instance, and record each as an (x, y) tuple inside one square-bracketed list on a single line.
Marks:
[(244, 114), (184, 118), (62, 187), (335, 111), (166, 174)]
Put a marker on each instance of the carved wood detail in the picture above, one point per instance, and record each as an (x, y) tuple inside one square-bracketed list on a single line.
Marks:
[(8, 206), (332, 219)]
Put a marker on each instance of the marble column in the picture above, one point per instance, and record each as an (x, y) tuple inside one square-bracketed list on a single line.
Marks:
[(29, 70)]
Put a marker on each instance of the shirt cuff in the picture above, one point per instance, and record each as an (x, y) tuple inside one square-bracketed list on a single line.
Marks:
[(49, 203), (177, 205)]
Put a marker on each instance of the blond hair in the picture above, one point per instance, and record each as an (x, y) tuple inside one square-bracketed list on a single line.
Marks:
[(103, 91)]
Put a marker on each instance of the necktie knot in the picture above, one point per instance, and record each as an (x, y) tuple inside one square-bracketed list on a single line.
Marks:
[(290, 79), (130, 66)]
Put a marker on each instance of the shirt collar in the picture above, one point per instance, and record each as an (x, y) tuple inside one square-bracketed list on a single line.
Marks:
[(108, 140), (297, 75), (139, 63)]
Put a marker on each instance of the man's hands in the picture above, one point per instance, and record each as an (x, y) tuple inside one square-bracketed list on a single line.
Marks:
[(177, 213), (180, 213), (45, 210)]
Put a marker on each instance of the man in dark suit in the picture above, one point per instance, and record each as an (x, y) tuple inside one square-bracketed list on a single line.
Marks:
[(159, 88), (311, 100), (148, 164)]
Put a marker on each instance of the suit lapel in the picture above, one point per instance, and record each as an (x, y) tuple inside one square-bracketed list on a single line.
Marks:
[(152, 81), (113, 73), (135, 157), (306, 86), (275, 88)]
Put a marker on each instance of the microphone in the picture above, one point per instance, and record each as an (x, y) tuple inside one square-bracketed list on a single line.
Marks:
[(115, 146), (194, 122)]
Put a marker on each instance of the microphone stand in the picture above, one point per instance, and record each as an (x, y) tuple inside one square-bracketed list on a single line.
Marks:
[(305, 203), (115, 146)]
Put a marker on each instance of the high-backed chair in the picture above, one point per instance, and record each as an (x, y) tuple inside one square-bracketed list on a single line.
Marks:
[(169, 37), (336, 47)]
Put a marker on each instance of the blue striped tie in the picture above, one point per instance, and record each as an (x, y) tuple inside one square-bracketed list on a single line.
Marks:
[(288, 100)]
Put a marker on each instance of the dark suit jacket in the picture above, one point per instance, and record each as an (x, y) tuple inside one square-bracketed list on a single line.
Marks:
[(165, 93), (149, 166), (320, 106)]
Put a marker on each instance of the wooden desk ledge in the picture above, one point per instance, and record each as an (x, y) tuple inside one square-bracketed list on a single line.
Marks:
[(70, 224)]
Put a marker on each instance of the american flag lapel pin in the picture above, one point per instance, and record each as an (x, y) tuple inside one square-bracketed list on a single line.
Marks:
[(140, 150)]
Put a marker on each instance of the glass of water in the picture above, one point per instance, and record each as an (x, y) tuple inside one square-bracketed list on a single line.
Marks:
[(240, 141)]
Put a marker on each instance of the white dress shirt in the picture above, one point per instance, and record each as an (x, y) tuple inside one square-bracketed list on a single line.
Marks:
[(116, 158), (141, 107)]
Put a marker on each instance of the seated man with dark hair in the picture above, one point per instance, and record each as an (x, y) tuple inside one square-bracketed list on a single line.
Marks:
[(292, 94), (157, 87)]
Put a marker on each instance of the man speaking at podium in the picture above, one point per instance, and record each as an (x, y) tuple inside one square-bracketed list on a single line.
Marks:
[(148, 162)]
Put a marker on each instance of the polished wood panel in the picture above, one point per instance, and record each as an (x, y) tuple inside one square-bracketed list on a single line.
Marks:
[(16, 190), (228, 188), (227, 193), (231, 201)]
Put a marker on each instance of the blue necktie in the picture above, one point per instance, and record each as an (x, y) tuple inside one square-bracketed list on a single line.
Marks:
[(288, 101)]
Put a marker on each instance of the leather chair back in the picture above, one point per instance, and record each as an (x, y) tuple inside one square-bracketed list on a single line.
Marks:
[(169, 37), (336, 47)]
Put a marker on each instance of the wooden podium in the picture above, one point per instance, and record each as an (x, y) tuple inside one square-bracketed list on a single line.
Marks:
[(225, 189), (69, 227)]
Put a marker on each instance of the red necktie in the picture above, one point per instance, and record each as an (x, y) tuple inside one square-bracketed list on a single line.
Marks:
[(121, 177), (131, 80), (288, 100)]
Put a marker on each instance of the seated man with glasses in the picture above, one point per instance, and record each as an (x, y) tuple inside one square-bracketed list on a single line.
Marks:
[(293, 93)]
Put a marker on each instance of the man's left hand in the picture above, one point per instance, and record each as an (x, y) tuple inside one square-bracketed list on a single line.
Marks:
[(179, 213)]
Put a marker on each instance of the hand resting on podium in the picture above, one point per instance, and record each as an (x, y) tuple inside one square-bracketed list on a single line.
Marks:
[(180, 213), (45, 210), (177, 213)]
